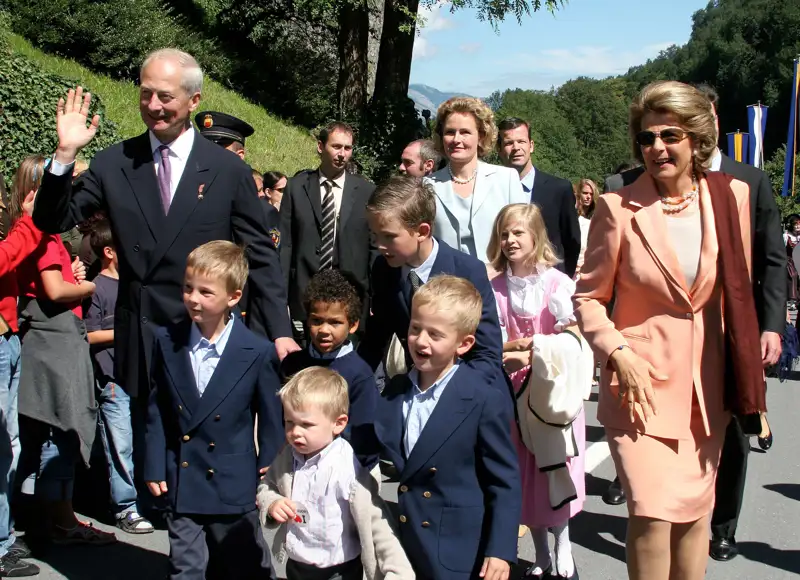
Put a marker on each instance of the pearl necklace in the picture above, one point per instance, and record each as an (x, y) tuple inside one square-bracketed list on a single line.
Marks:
[(458, 179), (673, 205)]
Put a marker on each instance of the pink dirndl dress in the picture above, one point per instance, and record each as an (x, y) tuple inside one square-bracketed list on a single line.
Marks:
[(536, 509)]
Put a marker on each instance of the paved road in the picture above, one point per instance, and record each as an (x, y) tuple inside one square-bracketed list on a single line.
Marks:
[(769, 534)]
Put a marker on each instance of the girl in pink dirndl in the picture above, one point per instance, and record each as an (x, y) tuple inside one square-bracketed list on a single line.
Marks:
[(534, 299)]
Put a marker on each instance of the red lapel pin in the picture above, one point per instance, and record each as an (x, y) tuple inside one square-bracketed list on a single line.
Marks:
[(200, 191)]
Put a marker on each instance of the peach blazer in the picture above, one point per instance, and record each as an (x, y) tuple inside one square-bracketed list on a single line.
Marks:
[(678, 330)]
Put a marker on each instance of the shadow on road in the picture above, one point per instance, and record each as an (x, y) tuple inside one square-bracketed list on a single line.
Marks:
[(790, 490), (788, 560), (584, 528), (120, 561)]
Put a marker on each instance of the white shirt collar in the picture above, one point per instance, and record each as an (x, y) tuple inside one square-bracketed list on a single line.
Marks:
[(338, 182), (345, 349), (180, 147), (300, 461), (197, 340), (521, 282), (527, 181), (436, 389), (424, 269), (716, 160)]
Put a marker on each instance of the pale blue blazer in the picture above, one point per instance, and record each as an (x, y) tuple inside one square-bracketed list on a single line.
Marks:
[(495, 188)]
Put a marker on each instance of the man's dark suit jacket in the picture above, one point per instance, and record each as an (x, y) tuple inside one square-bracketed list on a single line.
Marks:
[(556, 200), (216, 199), (301, 240), (769, 253), (202, 446)]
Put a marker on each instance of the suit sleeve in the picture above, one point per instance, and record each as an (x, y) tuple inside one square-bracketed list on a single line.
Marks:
[(498, 471), (570, 231), (486, 355), (270, 412), (769, 261), (267, 291), (155, 456), (21, 242), (60, 204), (363, 402), (596, 284), (287, 207), (379, 331)]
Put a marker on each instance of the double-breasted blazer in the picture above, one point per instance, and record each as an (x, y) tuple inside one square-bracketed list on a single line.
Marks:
[(495, 188), (216, 199), (675, 328), (301, 239)]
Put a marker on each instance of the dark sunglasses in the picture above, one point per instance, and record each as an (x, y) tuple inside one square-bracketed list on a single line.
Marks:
[(669, 136)]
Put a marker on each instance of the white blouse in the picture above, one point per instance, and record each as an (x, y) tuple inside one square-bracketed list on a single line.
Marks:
[(526, 295)]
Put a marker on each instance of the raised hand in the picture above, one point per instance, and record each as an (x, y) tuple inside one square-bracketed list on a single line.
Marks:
[(71, 118)]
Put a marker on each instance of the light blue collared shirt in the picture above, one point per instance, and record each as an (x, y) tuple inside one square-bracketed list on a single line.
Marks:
[(424, 269), (527, 181), (205, 355), (418, 406), (346, 348)]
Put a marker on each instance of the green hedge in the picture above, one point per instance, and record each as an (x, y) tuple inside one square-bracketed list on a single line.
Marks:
[(28, 98)]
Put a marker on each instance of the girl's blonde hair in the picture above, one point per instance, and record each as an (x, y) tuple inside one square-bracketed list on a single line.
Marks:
[(529, 215), (586, 212), (27, 178)]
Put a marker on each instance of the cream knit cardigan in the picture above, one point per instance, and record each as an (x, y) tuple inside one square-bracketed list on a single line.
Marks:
[(382, 555)]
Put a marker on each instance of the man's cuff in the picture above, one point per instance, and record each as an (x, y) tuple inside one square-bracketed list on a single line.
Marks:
[(57, 168)]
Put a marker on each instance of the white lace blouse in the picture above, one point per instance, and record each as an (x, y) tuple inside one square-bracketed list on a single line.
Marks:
[(526, 296)]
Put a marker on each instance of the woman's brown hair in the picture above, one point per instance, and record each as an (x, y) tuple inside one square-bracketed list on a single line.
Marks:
[(27, 178)]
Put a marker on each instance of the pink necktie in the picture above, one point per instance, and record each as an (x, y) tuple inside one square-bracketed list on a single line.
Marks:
[(164, 178)]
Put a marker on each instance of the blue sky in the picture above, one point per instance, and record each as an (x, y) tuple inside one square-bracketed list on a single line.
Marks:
[(596, 38)]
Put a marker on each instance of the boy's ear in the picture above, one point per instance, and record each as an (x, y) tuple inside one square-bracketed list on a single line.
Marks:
[(339, 424), (108, 252), (234, 297), (467, 342), (354, 327), (424, 230)]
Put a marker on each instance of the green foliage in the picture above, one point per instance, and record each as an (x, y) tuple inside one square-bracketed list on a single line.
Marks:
[(774, 168), (27, 111)]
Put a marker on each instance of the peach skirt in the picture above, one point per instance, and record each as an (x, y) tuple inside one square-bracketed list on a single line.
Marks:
[(669, 479)]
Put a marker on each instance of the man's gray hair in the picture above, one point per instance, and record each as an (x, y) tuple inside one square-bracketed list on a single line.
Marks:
[(427, 150), (192, 78)]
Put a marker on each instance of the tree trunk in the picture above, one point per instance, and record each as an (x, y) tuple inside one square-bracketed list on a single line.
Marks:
[(353, 63), (376, 8), (397, 48)]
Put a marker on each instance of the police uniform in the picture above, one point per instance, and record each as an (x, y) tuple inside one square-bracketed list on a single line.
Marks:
[(218, 127)]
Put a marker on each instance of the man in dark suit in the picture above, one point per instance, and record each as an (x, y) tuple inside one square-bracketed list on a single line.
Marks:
[(323, 221), (166, 192), (553, 195), (769, 291)]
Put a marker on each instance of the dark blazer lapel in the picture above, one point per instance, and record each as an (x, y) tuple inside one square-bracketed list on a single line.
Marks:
[(141, 175), (389, 420), (443, 264), (455, 404), (312, 189), (179, 366), (236, 359), (539, 185), (348, 200)]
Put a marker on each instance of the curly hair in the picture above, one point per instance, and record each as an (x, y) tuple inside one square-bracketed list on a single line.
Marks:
[(484, 119), (692, 109), (331, 286)]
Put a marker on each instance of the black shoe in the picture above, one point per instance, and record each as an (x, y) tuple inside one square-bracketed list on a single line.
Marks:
[(723, 549), (13, 567), (614, 494), (20, 549), (765, 442)]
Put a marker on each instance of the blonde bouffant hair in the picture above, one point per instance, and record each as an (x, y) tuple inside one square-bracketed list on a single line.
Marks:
[(484, 119), (691, 108), (529, 215)]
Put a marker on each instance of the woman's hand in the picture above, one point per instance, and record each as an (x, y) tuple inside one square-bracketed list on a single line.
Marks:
[(635, 375), (28, 203), (78, 270), (517, 360), (521, 344)]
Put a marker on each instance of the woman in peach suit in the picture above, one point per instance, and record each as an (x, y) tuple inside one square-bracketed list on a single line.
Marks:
[(669, 247)]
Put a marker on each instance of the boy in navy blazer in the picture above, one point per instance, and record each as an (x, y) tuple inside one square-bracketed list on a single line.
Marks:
[(449, 436), (210, 377), (333, 308), (401, 214)]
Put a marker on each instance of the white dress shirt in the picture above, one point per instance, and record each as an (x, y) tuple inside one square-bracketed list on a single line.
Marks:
[(205, 355), (527, 181), (323, 485), (179, 151), (716, 160), (526, 297), (338, 192), (424, 269), (418, 406)]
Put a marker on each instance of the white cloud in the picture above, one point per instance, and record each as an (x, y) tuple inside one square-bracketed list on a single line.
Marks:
[(594, 61), (470, 47), (424, 49), (434, 17)]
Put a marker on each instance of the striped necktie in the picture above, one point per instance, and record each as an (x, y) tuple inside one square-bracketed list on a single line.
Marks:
[(328, 227)]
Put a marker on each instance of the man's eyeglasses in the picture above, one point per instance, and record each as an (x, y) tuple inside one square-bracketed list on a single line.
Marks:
[(669, 136)]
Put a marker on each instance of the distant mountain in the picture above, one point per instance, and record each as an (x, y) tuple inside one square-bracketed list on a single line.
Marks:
[(426, 97)]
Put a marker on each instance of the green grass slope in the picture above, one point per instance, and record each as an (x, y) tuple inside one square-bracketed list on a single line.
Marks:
[(275, 145)]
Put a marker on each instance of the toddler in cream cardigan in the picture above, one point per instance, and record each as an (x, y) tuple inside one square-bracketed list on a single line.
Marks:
[(332, 522)]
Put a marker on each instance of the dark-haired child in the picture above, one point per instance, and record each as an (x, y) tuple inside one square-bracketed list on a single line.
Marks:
[(334, 308)]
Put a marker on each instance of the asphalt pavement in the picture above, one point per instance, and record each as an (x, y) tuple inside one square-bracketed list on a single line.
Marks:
[(768, 536)]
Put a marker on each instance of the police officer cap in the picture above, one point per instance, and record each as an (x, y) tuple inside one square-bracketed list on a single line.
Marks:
[(216, 126)]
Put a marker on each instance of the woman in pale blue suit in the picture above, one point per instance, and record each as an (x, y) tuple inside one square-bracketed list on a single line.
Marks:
[(469, 192)]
